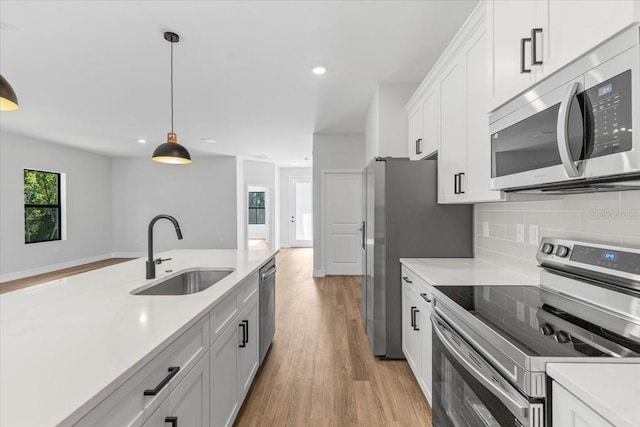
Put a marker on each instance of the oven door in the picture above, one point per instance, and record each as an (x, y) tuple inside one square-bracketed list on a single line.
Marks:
[(467, 391)]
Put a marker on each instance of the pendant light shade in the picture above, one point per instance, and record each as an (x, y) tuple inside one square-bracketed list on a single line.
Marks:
[(171, 152), (8, 98)]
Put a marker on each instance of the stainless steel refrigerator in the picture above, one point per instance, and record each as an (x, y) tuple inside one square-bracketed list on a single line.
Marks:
[(402, 219)]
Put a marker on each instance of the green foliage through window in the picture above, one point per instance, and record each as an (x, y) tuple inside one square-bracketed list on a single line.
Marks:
[(256, 207), (41, 206)]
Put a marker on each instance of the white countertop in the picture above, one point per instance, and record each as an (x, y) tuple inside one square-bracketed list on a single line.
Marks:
[(67, 344), (467, 271), (612, 390)]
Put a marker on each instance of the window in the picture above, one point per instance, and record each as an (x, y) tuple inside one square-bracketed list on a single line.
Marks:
[(42, 215), (256, 207)]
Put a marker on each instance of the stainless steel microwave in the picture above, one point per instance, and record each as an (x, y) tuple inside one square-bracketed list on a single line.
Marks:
[(576, 129)]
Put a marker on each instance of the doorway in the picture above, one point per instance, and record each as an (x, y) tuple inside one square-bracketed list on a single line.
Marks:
[(300, 212), (258, 218)]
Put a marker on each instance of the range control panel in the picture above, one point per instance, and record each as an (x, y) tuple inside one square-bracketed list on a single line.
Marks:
[(614, 260)]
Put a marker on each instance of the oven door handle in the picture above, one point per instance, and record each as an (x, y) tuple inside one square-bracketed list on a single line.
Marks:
[(507, 394), (563, 133)]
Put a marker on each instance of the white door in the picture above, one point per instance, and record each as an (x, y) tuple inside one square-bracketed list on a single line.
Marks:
[(300, 212), (342, 198)]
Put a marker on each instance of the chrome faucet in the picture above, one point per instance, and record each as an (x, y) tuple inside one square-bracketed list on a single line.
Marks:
[(151, 263)]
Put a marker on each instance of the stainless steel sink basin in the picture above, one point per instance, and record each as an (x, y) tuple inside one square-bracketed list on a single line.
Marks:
[(189, 282)]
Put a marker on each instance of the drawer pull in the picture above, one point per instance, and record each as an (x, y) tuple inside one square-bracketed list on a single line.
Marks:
[(425, 297), (406, 279), (172, 420), (173, 370)]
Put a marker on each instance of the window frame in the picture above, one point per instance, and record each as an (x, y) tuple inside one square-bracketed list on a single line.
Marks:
[(256, 208), (57, 206)]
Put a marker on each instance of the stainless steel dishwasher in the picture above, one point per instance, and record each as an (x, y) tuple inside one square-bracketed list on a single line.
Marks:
[(267, 306)]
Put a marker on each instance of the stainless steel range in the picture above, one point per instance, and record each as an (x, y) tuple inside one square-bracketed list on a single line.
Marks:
[(492, 343)]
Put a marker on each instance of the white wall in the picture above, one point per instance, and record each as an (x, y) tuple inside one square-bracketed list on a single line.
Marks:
[(88, 207), (386, 128), (331, 151), (601, 217), (285, 174), (201, 196), (260, 174)]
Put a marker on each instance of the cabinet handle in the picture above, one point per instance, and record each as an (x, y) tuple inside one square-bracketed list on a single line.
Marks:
[(406, 279), (523, 68), (460, 175), (456, 183), (419, 146), (413, 318), (426, 298), (243, 344), (534, 46), (246, 330), (173, 370), (172, 420)]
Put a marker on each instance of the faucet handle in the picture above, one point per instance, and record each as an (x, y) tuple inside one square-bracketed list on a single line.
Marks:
[(160, 260)]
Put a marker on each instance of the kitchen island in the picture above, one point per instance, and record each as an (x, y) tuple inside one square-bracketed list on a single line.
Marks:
[(68, 344)]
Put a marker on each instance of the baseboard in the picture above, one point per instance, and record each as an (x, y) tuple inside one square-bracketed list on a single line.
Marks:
[(128, 254), (54, 267), (318, 272)]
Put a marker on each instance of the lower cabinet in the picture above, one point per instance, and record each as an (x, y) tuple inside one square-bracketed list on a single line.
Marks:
[(569, 411), (234, 363), (188, 403), (416, 328)]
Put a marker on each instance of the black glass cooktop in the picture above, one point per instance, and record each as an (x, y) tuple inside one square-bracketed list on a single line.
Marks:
[(519, 314)]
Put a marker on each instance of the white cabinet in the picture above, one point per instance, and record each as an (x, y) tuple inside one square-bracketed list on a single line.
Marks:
[(234, 356), (424, 125), (188, 404), (569, 411), (416, 328), (464, 158), (530, 39)]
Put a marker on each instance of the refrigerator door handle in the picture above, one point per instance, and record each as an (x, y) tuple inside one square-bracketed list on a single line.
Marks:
[(363, 234)]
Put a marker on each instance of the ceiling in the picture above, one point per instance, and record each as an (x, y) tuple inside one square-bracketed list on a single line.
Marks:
[(95, 74)]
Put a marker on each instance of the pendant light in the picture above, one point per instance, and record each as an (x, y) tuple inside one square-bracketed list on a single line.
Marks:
[(8, 98), (171, 151)]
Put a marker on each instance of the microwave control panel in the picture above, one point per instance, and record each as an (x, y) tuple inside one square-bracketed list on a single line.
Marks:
[(611, 108)]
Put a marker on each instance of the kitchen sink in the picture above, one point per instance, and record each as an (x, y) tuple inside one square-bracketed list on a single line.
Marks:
[(188, 282)]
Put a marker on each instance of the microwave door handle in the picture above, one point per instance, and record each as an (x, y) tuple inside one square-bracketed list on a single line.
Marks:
[(507, 394), (563, 133)]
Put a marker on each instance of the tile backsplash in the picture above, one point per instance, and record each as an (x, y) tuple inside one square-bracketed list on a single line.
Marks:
[(600, 217)]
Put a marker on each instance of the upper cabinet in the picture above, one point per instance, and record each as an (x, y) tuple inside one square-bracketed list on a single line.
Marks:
[(530, 39), (448, 115)]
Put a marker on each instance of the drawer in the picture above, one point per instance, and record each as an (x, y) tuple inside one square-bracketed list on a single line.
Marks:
[(128, 405), (222, 315), (247, 290), (410, 280)]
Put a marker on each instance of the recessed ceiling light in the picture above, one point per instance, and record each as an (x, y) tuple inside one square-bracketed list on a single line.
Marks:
[(142, 141), (319, 70), (209, 140)]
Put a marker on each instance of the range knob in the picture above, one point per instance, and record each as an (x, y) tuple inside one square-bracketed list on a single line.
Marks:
[(562, 251), (546, 248), (562, 337), (546, 329)]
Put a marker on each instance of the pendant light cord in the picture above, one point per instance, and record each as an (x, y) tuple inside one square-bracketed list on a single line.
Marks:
[(172, 87)]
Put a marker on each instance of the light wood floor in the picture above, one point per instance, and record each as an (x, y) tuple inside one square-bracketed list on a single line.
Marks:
[(14, 285), (320, 371)]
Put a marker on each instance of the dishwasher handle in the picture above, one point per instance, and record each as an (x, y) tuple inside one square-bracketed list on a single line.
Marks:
[(269, 273)]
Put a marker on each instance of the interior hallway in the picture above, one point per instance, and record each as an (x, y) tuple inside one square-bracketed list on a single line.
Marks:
[(320, 370)]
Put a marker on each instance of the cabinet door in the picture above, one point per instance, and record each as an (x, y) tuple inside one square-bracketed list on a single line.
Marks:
[(415, 134), (576, 27), (569, 411), (510, 22), (452, 156), (431, 122), (425, 344), (224, 377), (188, 404), (475, 181), (410, 337), (248, 357)]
